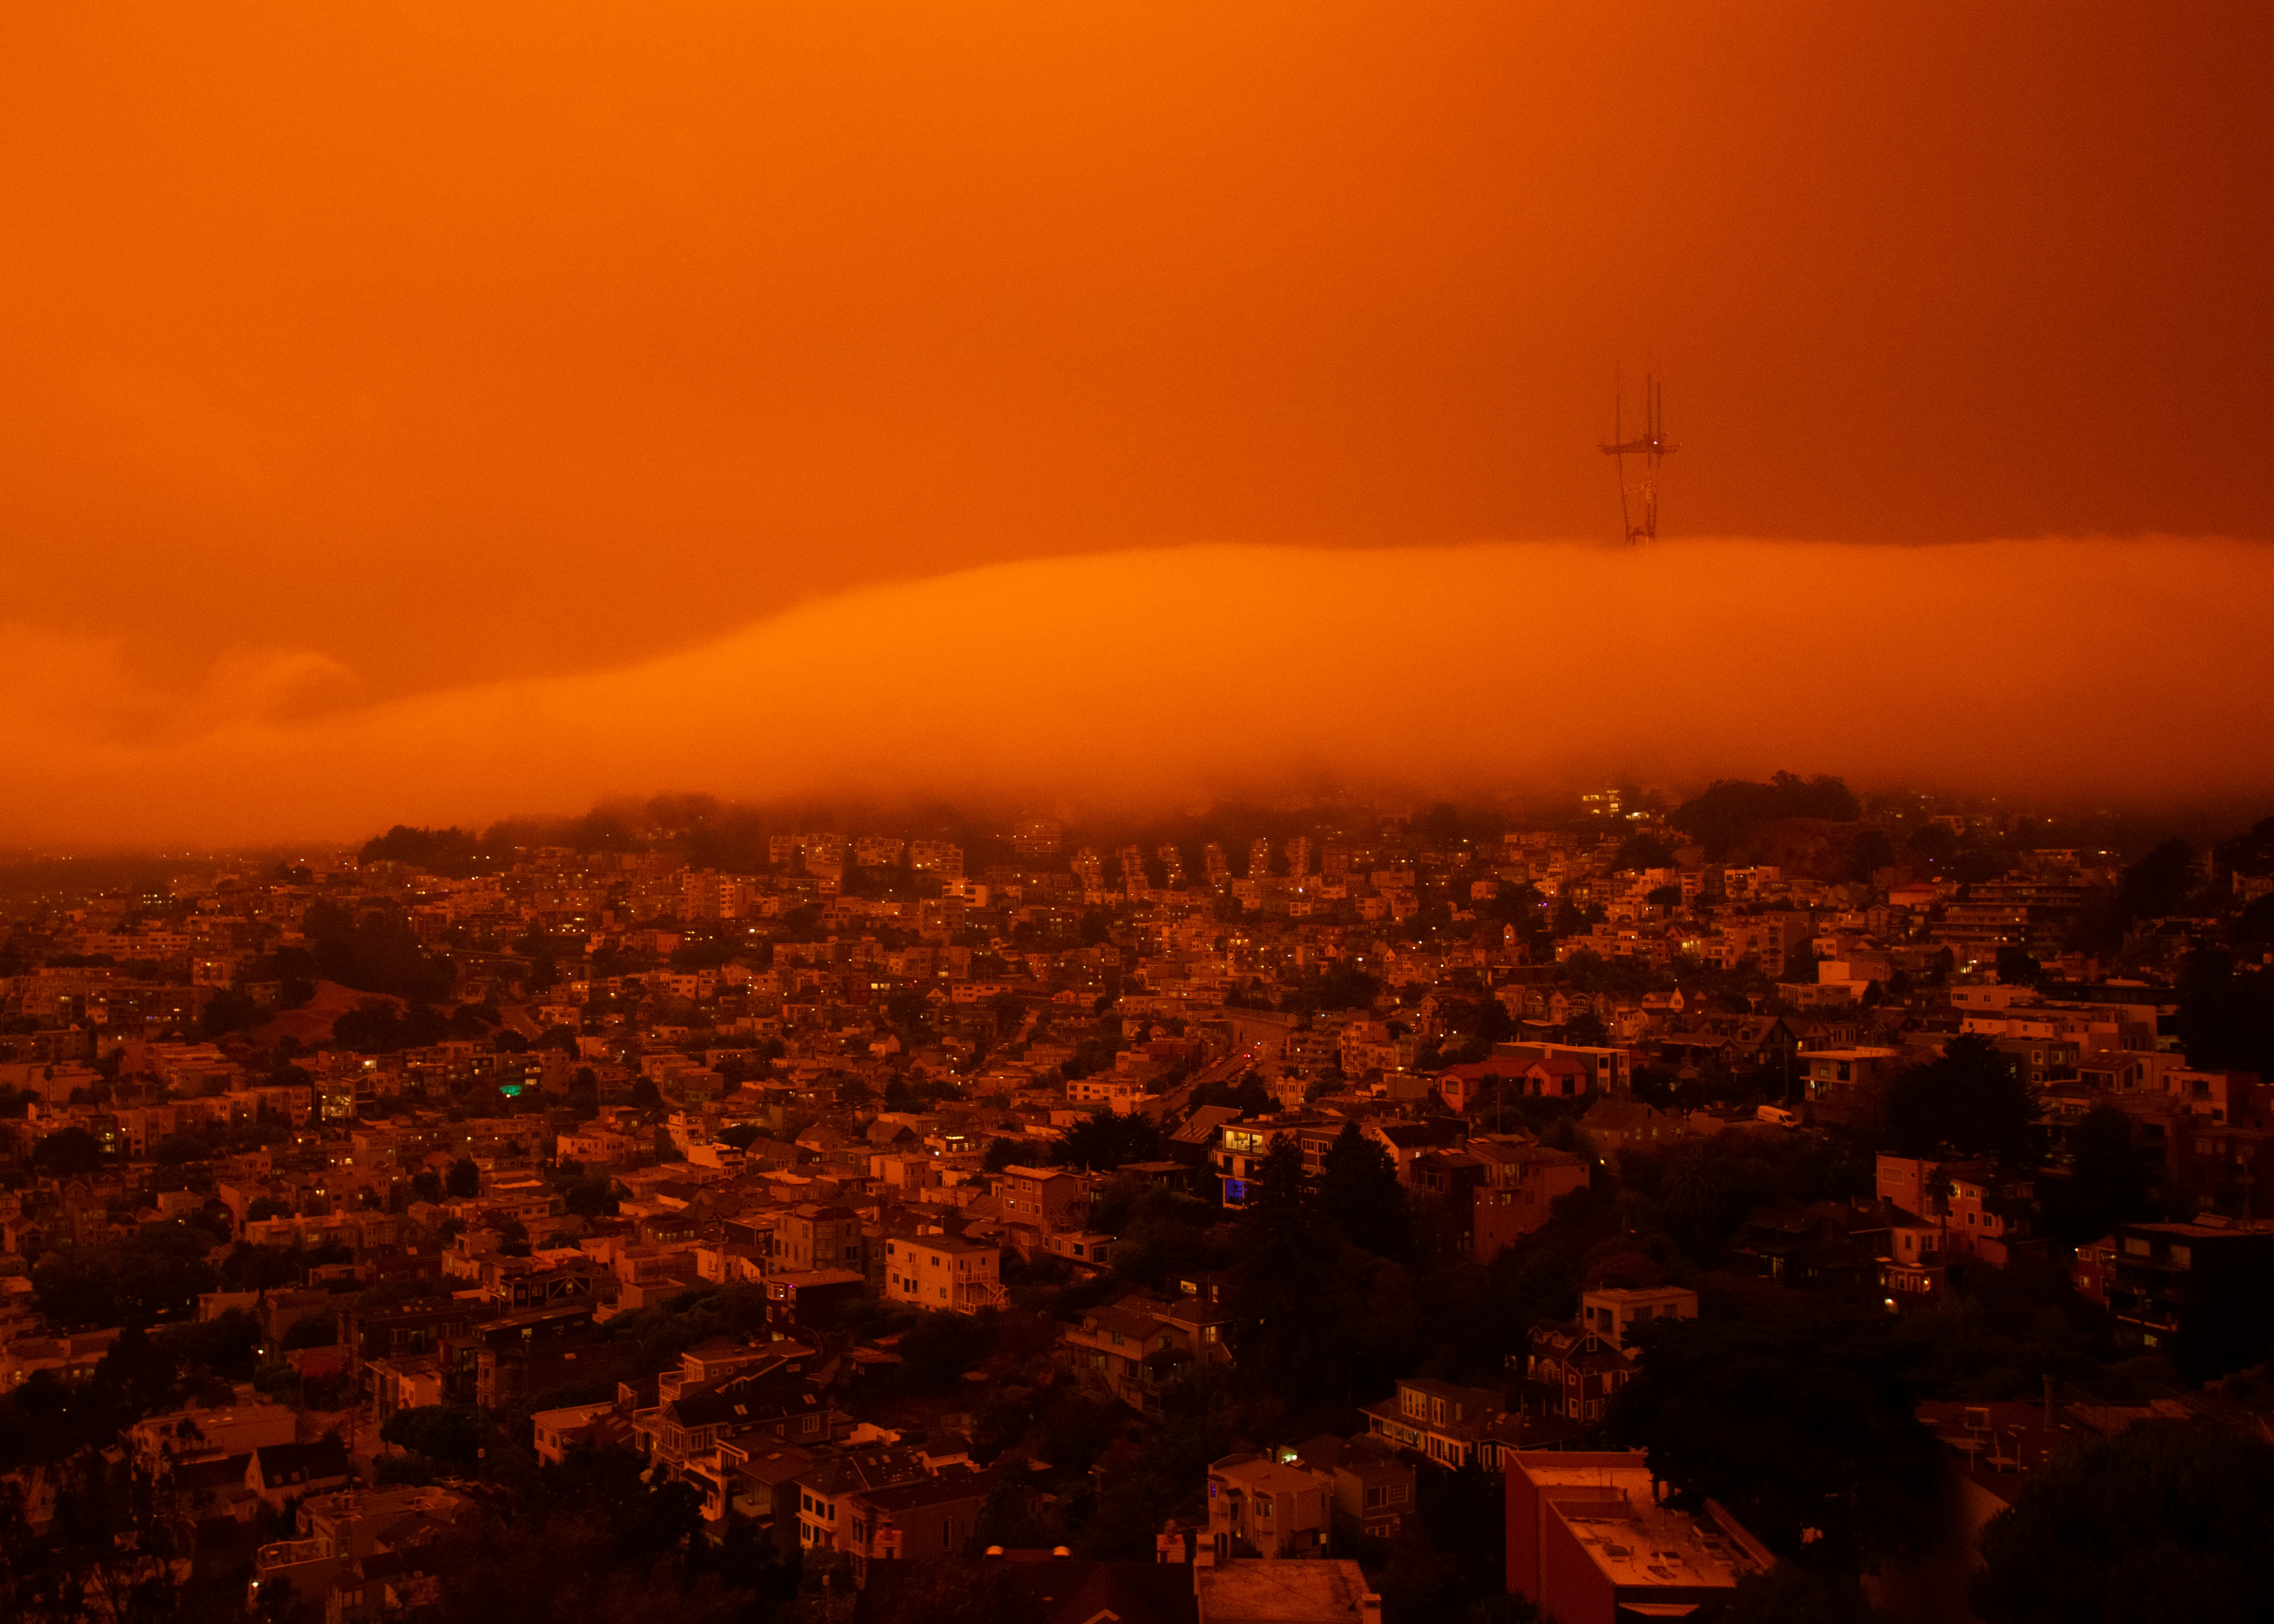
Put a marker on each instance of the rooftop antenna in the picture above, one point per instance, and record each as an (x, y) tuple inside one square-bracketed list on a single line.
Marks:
[(1639, 480)]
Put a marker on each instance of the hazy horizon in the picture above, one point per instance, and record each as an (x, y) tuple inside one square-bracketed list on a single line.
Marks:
[(2122, 673)]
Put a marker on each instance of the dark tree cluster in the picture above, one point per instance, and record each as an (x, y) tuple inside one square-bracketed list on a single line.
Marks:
[(1732, 811)]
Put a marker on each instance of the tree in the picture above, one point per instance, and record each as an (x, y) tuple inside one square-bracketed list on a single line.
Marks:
[(908, 1008), (228, 1011), (2016, 968), (426, 1186), (2162, 1521), (1358, 1190), (2108, 1181), (313, 1331), (1453, 1555), (69, 1153), (1248, 1096), (1970, 1099), (453, 853), (1793, 1411), (464, 1179), (1732, 810), (1001, 1153), (445, 1432), (2226, 1014), (154, 1273), (1702, 1187), (592, 1196), (1107, 1140), (376, 952), (1639, 851), (1295, 1295), (2156, 885), (374, 1027)]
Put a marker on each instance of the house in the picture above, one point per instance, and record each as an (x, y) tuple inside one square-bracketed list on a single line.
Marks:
[(1848, 1088), (944, 1272), (1913, 1268), (1131, 1347), (1373, 1481), (829, 1482), (1610, 1070), (1590, 1542), (1613, 1314), (1979, 1210), (160, 1443), (812, 1296), (1239, 1153), (1259, 1503), (1518, 1189), (682, 1434), (558, 1431), (1465, 1087), (213, 1489), (1830, 1247), (927, 1518), (1046, 1198), (1571, 1373), (1557, 1076), (522, 1353), (1455, 1178), (2201, 1293), (1404, 1140), (1612, 1125), (279, 1472), (1086, 1250), (817, 1236), (1453, 1425), (1990, 1213)]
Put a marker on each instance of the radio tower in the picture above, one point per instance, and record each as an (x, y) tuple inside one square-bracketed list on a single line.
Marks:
[(1638, 483)]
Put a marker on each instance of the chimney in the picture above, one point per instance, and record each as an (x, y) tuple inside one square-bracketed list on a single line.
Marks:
[(1369, 1608)]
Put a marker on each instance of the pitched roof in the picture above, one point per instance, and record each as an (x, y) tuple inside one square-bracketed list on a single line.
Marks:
[(277, 1463)]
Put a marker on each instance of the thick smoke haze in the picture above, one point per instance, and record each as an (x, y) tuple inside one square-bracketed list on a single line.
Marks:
[(452, 343), (2134, 672)]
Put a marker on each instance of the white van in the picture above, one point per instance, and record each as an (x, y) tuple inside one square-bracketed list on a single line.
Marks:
[(1779, 1114)]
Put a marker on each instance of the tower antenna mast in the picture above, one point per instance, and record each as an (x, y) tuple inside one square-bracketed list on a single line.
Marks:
[(1638, 479)]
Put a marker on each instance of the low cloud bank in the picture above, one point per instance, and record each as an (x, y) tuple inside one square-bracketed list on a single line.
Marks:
[(2131, 672)]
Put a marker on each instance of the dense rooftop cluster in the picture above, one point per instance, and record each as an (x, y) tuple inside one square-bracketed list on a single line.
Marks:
[(689, 1207)]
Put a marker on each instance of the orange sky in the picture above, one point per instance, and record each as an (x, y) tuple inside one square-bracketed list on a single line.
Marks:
[(2131, 673), (357, 353)]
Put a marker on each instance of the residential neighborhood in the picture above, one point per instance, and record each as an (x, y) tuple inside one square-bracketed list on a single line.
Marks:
[(1404, 1197)]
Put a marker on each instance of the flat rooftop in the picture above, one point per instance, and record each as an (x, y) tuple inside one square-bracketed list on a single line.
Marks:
[(1257, 1591), (1631, 1539)]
